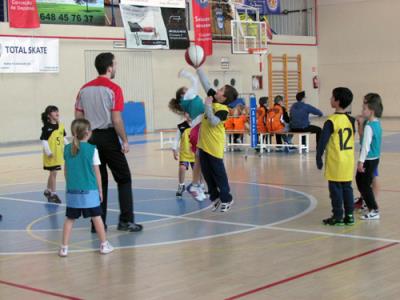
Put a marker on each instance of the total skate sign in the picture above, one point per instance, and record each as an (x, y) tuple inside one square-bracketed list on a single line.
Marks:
[(29, 55), (157, 3)]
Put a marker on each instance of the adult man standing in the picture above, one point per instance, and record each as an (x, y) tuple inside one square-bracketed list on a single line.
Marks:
[(299, 117), (101, 102)]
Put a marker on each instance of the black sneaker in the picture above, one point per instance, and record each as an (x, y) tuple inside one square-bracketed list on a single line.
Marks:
[(130, 227), (333, 222), (181, 189), (54, 199), (47, 194), (349, 220), (1, 217)]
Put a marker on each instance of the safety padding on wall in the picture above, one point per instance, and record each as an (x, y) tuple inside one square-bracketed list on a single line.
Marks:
[(134, 117)]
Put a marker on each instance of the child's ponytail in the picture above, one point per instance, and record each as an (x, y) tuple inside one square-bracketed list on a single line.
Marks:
[(76, 143)]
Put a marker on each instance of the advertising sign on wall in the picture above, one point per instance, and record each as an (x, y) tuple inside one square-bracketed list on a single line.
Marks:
[(82, 12), (29, 55), (150, 27), (156, 3)]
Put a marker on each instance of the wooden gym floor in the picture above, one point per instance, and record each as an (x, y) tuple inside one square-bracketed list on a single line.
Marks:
[(271, 245)]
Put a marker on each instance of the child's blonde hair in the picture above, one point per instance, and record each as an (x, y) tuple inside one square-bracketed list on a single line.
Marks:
[(79, 128)]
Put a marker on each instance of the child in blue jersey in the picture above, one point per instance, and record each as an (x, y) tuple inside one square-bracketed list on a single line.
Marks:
[(188, 101), (359, 202), (370, 153), (83, 185)]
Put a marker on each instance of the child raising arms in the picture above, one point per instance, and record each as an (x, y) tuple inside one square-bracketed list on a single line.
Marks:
[(188, 101), (83, 185)]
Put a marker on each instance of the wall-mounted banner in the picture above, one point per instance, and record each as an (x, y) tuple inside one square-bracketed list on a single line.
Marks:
[(82, 12), (202, 25), (148, 27), (156, 3), (23, 14), (265, 7), (221, 17), (29, 55), (273, 7)]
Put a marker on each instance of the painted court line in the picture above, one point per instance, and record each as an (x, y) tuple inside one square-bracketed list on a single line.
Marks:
[(319, 269), (254, 226), (32, 289)]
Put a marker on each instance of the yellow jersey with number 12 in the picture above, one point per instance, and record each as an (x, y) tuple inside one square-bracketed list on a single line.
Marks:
[(56, 145), (339, 156)]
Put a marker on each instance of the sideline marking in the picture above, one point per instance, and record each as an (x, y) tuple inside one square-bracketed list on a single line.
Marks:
[(319, 269), (32, 289)]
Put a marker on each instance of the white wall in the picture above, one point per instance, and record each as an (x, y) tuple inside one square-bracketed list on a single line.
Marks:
[(359, 48), (24, 97)]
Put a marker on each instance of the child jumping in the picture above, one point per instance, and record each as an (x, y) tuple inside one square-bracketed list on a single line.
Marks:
[(370, 152), (53, 141), (212, 141), (338, 139), (188, 101), (83, 185)]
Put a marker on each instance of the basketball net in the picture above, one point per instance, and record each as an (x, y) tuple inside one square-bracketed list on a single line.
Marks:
[(259, 55)]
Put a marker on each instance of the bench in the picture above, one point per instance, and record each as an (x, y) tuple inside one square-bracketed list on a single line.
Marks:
[(265, 142), (166, 138)]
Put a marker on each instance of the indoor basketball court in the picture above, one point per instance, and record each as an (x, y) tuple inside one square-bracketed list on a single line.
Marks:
[(272, 243)]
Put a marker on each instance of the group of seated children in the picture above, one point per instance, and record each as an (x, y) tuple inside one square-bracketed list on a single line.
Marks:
[(272, 120)]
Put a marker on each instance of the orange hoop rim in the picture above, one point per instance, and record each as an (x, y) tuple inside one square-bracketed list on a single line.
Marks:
[(259, 51)]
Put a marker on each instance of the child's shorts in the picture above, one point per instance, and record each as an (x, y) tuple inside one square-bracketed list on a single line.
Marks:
[(52, 168), (194, 137), (376, 172), (186, 164), (76, 213)]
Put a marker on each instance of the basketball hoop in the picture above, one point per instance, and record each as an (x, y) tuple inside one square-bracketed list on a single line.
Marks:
[(260, 52)]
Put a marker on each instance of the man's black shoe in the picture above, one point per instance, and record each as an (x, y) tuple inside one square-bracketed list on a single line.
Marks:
[(130, 227)]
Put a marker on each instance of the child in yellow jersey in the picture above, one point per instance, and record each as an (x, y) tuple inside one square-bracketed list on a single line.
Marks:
[(337, 139), (212, 141), (185, 155), (53, 141)]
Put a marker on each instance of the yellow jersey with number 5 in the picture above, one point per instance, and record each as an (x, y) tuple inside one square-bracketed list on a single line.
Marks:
[(55, 138), (339, 156)]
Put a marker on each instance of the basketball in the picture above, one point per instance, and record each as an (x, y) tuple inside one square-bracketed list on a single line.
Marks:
[(194, 56)]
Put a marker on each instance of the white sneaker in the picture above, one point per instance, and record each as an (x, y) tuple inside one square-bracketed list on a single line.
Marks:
[(63, 252), (106, 248), (226, 206), (196, 192), (372, 215)]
